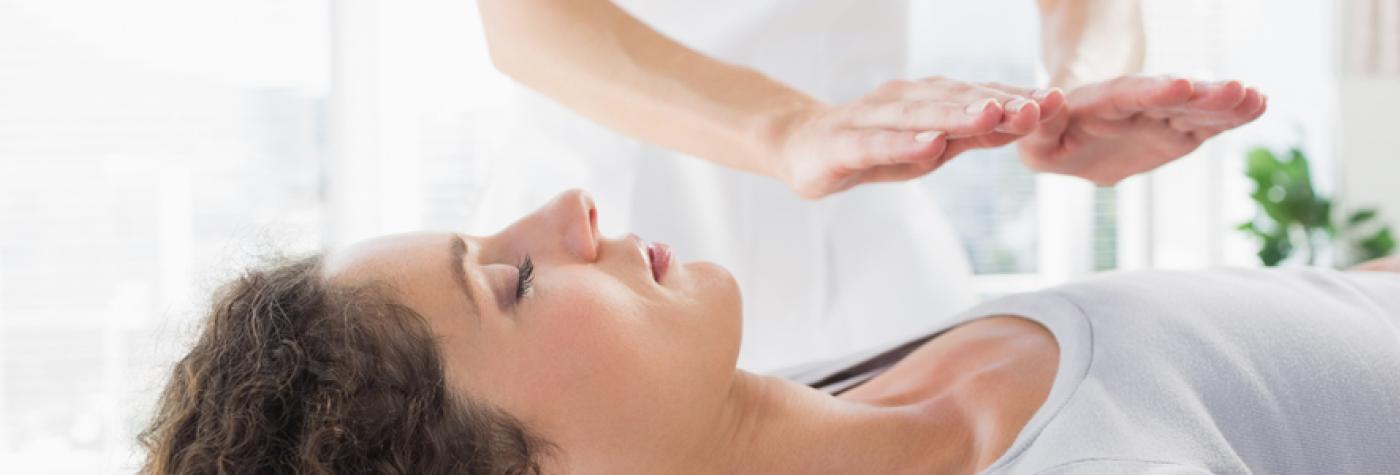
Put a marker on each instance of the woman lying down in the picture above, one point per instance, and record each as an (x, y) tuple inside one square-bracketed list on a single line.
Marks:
[(547, 348)]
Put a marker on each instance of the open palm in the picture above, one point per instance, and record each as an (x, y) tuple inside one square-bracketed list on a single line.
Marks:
[(1114, 129)]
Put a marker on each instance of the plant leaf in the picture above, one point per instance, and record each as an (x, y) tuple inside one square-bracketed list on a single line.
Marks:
[(1298, 168), (1361, 216), (1378, 245), (1275, 249), (1261, 165)]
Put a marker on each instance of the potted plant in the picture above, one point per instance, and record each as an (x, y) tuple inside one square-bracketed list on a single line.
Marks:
[(1292, 217)]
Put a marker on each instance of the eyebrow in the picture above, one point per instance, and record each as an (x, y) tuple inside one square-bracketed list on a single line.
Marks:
[(459, 255)]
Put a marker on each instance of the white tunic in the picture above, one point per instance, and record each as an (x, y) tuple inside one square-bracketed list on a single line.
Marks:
[(819, 279), (1224, 372)]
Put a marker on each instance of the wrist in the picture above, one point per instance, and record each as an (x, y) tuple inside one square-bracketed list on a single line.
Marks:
[(772, 132)]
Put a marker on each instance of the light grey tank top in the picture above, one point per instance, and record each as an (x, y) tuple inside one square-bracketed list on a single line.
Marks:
[(1223, 372), (835, 376)]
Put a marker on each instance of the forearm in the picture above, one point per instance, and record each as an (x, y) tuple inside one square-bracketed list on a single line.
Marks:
[(1085, 41), (594, 58)]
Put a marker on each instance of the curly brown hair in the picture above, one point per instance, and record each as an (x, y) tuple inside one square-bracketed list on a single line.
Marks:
[(291, 374)]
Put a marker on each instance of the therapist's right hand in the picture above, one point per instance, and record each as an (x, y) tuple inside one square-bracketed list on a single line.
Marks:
[(902, 130)]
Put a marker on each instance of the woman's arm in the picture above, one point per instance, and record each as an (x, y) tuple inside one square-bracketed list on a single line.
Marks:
[(596, 59), (1085, 41)]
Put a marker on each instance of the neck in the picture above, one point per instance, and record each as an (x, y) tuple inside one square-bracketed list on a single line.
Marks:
[(771, 425)]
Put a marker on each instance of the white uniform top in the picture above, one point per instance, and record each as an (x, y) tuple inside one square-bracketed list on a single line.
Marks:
[(820, 279), (1224, 372)]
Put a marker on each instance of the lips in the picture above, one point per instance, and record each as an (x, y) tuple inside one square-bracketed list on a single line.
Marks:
[(658, 256)]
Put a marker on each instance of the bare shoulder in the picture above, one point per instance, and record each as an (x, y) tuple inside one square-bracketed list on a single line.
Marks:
[(990, 353), (992, 374)]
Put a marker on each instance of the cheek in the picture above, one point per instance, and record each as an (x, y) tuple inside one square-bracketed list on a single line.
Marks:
[(592, 355), (580, 339)]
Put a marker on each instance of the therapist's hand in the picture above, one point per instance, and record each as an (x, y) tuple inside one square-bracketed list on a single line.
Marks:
[(902, 130), (1114, 129), (1384, 264)]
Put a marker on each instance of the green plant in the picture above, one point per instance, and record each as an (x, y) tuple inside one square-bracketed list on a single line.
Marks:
[(1292, 215)]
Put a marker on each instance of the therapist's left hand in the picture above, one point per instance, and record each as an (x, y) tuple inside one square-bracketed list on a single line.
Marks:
[(1114, 129), (1384, 264)]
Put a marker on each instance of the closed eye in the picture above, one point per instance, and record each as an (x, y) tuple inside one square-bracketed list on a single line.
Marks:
[(526, 272)]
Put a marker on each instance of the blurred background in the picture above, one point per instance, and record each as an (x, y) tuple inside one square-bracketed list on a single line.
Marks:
[(148, 148)]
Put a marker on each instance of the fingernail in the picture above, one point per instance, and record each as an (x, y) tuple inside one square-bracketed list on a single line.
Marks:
[(1015, 105), (977, 108), (928, 136)]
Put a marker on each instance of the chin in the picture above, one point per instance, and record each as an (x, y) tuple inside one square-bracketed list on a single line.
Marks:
[(719, 291), (710, 277)]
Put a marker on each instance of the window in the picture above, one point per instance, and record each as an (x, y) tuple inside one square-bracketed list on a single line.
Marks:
[(144, 146)]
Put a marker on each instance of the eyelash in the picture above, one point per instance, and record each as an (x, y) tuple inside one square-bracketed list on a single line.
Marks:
[(527, 276)]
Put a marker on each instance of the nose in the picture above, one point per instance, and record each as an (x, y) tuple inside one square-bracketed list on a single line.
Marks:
[(576, 218)]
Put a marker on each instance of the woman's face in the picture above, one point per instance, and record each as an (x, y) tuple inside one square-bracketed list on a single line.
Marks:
[(597, 356)]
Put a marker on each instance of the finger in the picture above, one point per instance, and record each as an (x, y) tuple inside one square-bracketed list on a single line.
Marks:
[(1220, 96), (1243, 112), (1050, 139), (1123, 97), (943, 89), (952, 118), (1248, 109), (958, 146), (868, 148), (1217, 96), (1020, 118), (1263, 106), (1049, 99), (1208, 132)]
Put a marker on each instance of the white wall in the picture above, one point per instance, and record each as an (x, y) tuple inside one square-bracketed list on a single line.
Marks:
[(1368, 146), (1369, 151)]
